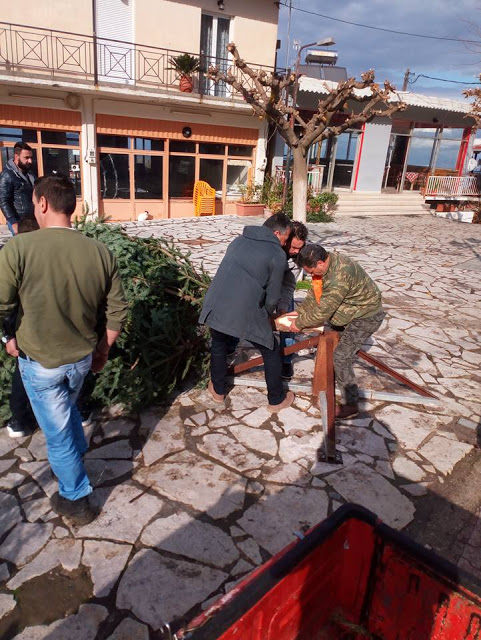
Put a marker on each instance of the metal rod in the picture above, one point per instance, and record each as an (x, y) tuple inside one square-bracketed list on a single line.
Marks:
[(94, 41)]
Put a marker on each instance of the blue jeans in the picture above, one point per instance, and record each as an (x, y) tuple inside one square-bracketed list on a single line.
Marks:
[(53, 394), (10, 228), (287, 338)]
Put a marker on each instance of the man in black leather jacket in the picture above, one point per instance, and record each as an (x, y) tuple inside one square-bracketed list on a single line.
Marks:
[(16, 187)]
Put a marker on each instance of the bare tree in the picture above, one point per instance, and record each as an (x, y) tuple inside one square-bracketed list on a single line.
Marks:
[(267, 95), (476, 104)]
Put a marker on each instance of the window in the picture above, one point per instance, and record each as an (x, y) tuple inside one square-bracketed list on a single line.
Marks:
[(452, 134), (240, 150), (448, 154), (148, 144), (117, 142), (148, 177), (213, 149), (7, 154), (214, 38), (182, 146), (420, 153), (65, 162), (71, 138), (114, 176), (211, 171), (9, 134), (181, 176), (237, 175)]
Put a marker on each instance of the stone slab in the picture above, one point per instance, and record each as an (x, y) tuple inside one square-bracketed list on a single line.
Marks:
[(363, 441), (409, 427), (10, 513), (291, 473), (65, 553), (35, 509), (251, 550), (211, 489), (229, 452), (468, 431), (7, 443), (130, 629), (6, 464), (185, 536), (38, 446), (125, 512), (273, 521), (11, 480), (106, 561), (258, 417), (4, 572), (165, 438), (408, 469), (158, 589), (42, 474), (118, 428), (258, 439), (444, 454), (294, 419), (7, 604), (24, 542), (119, 449), (362, 485), (84, 625), (103, 471)]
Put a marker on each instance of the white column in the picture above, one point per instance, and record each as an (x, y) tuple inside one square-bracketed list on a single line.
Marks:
[(89, 156)]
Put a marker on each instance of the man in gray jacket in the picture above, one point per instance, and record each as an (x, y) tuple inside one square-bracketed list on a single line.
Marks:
[(241, 300), (16, 187)]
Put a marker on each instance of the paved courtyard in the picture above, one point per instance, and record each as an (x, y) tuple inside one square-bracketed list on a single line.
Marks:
[(194, 496)]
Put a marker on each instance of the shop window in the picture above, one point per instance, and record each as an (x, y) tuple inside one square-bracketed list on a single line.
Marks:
[(448, 154), (452, 134), (425, 132), (211, 172), (237, 176), (10, 134), (181, 176), (114, 176), (148, 144), (148, 177), (70, 138), (240, 150), (420, 153), (7, 154), (183, 146), (65, 162), (116, 142), (212, 149)]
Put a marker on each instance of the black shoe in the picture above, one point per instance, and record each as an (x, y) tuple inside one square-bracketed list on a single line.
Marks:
[(18, 430), (87, 417), (287, 370), (79, 512)]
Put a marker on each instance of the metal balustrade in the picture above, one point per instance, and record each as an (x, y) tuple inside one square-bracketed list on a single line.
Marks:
[(452, 187), (314, 176), (47, 53)]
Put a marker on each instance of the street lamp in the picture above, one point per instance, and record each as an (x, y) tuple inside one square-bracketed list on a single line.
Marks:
[(324, 42)]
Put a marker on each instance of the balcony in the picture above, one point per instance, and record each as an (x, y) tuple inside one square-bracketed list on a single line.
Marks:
[(42, 54), (452, 188)]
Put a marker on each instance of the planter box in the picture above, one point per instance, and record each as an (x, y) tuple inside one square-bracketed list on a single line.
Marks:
[(243, 209)]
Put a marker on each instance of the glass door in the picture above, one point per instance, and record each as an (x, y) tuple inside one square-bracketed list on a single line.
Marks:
[(345, 154), (214, 38)]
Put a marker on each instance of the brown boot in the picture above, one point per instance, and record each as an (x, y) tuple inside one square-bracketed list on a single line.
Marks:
[(217, 397), (346, 411), (288, 400)]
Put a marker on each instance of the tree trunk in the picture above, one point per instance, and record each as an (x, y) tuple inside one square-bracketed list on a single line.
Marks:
[(299, 185)]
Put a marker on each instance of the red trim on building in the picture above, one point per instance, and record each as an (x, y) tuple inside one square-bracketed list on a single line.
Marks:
[(359, 156), (463, 150)]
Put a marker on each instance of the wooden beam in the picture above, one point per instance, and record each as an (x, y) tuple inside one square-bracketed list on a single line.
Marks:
[(255, 362)]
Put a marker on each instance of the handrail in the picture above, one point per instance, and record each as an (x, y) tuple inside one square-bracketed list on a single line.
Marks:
[(452, 186)]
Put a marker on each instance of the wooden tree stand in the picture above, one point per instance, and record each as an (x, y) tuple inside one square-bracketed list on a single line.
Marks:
[(323, 387)]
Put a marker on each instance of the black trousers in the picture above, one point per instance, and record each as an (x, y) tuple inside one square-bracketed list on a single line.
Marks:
[(272, 366), (19, 402)]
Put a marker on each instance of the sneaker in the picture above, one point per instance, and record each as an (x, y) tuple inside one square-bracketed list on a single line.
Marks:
[(217, 397), (346, 411), (288, 400), (17, 430), (79, 512), (87, 417), (287, 370)]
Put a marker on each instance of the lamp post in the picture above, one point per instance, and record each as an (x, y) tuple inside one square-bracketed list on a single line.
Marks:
[(325, 42)]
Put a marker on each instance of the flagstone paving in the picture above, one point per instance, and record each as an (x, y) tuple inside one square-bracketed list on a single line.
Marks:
[(215, 490)]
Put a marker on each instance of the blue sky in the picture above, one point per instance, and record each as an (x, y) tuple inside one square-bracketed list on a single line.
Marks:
[(389, 54)]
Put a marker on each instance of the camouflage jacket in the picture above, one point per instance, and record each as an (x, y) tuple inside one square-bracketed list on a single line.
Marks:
[(348, 293)]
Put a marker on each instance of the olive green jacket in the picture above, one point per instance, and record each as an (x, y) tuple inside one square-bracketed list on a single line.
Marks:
[(348, 293)]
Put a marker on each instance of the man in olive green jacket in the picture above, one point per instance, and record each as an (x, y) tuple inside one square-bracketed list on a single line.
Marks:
[(346, 297)]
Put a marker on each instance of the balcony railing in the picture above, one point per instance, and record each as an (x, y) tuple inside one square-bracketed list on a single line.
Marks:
[(452, 187), (314, 176), (46, 53)]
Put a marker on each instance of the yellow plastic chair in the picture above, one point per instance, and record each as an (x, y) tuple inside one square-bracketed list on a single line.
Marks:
[(204, 199)]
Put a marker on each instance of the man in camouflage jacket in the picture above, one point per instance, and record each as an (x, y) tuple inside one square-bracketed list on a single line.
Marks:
[(346, 297)]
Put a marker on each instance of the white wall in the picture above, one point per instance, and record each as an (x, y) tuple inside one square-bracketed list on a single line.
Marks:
[(373, 156)]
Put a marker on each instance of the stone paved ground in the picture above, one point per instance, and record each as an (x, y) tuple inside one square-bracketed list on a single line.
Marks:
[(195, 496)]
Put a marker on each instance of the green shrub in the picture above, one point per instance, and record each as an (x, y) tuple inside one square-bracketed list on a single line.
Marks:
[(320, 207)]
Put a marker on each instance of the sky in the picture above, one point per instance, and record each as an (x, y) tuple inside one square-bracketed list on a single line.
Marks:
[(389, 54)]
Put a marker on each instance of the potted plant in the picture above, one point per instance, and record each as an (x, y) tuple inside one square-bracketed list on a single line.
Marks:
[(186, 65), (250, 203)]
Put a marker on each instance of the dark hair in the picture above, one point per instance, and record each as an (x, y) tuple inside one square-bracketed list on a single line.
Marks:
[(18, 147), (27, 224), (311, 254), (299, 231), (58, 191), (279, 222)]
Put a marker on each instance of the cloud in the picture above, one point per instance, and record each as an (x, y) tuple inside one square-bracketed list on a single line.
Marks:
[(389, 54)]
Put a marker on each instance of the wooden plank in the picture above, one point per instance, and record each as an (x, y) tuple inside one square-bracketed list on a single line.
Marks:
[(323, 385), (255, 362)]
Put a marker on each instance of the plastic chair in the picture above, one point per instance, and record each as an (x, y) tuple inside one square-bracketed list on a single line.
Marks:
[(204, 199)]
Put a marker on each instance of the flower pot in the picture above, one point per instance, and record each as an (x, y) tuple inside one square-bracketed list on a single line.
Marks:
[(244, 209), (440, 207), (186, 84)]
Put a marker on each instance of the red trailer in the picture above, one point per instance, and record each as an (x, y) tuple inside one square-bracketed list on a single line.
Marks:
[(351, 578)]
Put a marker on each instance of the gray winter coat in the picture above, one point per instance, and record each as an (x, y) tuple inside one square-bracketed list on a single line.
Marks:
[(247, 287), (16, 188)]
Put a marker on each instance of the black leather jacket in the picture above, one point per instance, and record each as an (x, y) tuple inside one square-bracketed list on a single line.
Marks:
[(16, 188)]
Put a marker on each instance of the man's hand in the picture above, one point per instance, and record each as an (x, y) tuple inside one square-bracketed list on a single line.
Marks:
[(15, 228), (11, 348), (99, 360)]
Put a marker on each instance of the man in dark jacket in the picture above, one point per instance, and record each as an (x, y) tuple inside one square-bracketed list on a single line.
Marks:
[(241, 300), (16, 187)]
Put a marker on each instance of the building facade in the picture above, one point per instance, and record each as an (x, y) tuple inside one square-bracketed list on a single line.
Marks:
[(90, 86)]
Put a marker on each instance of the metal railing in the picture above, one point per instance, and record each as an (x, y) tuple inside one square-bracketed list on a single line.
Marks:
[(72, 56), (452, 187), (315, 174)]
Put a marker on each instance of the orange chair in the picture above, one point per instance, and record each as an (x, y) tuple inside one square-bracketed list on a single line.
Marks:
[(204, 199)]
